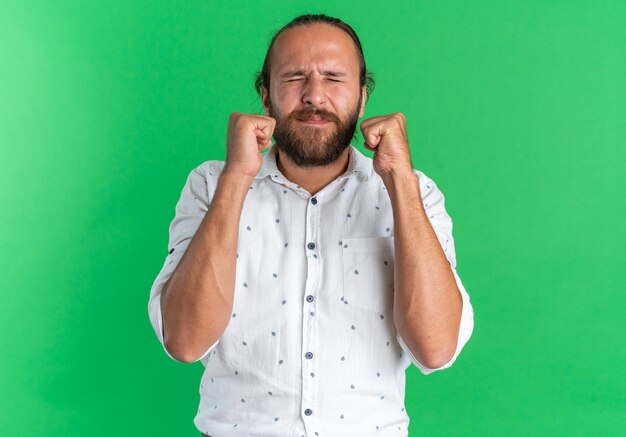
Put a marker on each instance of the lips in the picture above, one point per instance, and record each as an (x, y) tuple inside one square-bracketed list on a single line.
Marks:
[(314, 119)]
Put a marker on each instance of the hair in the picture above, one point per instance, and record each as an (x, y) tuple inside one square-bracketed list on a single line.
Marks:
[(366, 77)]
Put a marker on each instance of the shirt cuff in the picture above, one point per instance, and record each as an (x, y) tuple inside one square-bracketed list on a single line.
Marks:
[(157, 322), (154, 303), (465, 331)]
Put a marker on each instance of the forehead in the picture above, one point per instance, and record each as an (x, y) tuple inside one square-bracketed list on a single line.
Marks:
[(312, 46)]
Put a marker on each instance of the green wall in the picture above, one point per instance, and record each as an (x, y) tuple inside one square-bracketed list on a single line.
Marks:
[(515, 108)]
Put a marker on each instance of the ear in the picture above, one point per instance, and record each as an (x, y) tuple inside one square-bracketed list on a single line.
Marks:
[(264, 96), (363, 99)]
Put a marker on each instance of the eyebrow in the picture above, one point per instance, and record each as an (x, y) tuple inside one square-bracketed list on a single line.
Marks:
[(333, 73)]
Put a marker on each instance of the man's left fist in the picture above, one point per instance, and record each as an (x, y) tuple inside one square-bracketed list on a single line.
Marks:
[(386, 136)]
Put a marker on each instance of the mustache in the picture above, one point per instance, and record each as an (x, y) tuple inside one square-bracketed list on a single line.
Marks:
[(308, 112)]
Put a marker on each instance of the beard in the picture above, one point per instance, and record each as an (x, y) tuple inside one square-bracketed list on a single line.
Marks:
[(313, 146)]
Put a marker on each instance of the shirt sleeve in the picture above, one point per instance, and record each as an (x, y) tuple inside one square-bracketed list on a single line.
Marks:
[(189, 212), (434, 205)]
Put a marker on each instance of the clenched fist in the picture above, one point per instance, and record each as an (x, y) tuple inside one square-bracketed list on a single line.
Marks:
[(386, 136), (247, 136)]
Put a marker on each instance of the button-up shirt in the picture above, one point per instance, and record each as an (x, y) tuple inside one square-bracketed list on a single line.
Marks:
[(311, 348)]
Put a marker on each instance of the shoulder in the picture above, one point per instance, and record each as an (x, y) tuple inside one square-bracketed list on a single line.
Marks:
[(202, 182), (426, 183), (208, 170)]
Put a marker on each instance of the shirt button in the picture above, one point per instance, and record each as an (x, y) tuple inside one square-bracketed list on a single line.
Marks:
[(309, 355), (310, 298), (314, 201), (308, 412), (311, 246)]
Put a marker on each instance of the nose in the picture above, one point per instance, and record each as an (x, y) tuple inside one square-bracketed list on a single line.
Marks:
[(314, 93)]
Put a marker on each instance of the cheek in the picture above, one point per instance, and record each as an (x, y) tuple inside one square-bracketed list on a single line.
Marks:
[(283, 107), (287, 96), (343, 100)]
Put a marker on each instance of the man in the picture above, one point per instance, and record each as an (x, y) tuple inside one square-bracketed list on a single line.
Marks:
[(308, 279)]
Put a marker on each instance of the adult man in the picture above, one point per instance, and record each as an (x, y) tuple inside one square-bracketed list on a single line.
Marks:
[(307, 279)]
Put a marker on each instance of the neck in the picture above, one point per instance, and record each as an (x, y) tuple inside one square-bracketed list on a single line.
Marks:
[(312, 179)]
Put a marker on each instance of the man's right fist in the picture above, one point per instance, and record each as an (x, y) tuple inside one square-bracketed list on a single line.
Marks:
[(247, 135)]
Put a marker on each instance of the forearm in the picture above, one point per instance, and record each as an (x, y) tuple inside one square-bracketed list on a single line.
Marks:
[(427, 302), (197, 300)]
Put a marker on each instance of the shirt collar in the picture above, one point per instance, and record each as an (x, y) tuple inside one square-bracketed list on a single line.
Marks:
[(357, 163)]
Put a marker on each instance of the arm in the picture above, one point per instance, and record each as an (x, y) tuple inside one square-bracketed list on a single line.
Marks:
[(197, 300), (432, 313), (427, 302)]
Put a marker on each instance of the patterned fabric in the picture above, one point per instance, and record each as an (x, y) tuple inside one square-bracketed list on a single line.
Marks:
[(311, 347)]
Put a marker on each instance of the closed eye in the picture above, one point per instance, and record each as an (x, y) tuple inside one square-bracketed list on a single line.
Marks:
[(301, 78)]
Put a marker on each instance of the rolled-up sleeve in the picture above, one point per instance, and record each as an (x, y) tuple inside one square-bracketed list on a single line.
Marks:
[(434, 205), (189, 212)]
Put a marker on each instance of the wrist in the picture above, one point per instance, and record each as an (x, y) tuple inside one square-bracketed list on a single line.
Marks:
[(402, 187), (233, 173), (235, 180), (397, 179)]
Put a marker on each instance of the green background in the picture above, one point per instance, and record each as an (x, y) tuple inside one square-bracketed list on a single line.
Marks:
[(515, 109)]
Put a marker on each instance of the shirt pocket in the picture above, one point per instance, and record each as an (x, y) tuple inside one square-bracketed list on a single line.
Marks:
[(368, 273)]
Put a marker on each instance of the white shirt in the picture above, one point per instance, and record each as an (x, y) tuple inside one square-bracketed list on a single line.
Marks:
[(311, 348)]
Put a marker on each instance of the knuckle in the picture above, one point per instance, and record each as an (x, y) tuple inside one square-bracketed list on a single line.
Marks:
[(235, 118), (400, 119), (240, 120)]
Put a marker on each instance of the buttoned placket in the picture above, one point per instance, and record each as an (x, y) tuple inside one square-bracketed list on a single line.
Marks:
[(309, 401), (309, 319)]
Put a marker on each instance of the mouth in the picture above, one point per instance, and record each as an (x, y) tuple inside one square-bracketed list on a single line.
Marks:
[(314, 120)]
